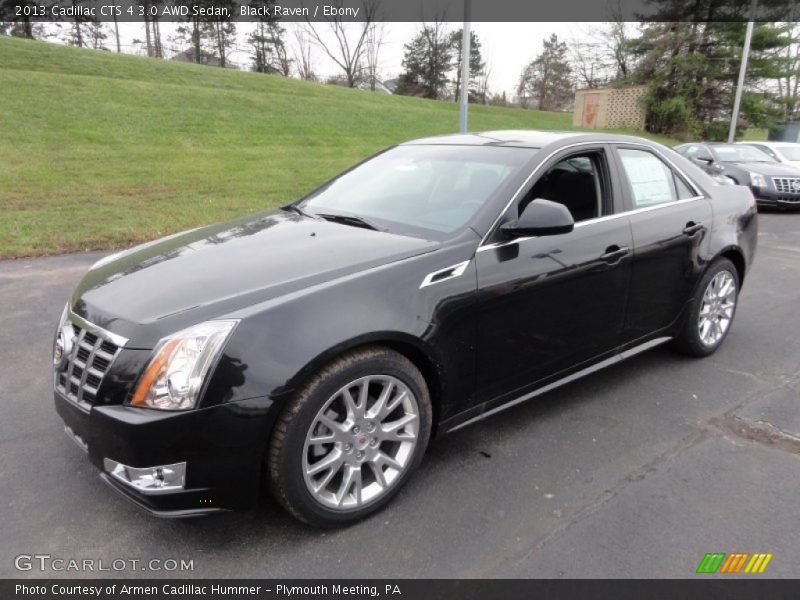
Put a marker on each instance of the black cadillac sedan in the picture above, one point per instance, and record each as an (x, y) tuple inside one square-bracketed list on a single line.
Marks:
[(319, 347), (773, 184)]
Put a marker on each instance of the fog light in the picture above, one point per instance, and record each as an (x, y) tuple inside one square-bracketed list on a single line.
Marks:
[(162, 478)]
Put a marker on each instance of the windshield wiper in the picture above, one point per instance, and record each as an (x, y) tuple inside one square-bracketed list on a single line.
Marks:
[(350, 220), (297, 209)]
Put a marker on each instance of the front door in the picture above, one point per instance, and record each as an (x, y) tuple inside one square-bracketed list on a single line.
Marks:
[(548, 304)]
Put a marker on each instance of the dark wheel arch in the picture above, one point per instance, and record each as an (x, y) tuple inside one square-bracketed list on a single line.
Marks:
[(404, 344), (736, 256)]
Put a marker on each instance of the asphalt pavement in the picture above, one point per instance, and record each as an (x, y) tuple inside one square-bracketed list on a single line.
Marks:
[(637, 471)]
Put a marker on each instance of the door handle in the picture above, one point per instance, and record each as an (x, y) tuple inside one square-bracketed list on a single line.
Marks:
[(614, 254), (692, 228)]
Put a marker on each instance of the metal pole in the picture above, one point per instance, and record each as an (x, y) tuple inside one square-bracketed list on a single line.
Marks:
[(737, 101), (464, 98)]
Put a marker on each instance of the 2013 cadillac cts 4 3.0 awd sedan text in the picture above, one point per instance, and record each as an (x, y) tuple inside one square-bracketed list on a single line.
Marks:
[(317, 348)]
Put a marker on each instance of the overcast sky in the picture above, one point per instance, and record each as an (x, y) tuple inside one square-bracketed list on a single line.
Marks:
[(507, 47)]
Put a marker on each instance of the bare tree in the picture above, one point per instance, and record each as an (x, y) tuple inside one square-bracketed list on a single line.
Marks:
[(604, 54), (304, 55), (348, 46), (483, 83), (152, 30), (374, 42)]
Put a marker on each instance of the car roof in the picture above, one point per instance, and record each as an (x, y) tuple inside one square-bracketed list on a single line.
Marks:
[(522, 138), (770, 143)]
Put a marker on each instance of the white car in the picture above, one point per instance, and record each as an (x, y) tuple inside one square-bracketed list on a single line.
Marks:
[(784, 152)]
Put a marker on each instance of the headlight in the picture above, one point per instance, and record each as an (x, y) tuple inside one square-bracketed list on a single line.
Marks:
[(757, 180), (60, 341), (174, 376)]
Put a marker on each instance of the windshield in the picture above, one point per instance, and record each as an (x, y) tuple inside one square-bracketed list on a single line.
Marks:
[(789, 152), (732, 153), (428, 191)]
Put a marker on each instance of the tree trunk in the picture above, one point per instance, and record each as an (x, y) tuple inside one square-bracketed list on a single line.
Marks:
[(116, 34), (157, 38), (220, 44), (147, 35), (196, 41)]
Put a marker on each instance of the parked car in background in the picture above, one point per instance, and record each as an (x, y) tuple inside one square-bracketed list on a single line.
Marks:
[(773, 184), (787, 153), (318, 347)]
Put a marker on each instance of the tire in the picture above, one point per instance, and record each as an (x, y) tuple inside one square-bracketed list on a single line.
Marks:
[(691, 339), (322, 422)]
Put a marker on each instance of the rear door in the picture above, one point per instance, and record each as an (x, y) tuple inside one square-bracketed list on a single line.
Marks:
[(548, 304), (671, 221)]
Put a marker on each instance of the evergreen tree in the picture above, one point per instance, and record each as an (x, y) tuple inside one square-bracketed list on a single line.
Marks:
[(269, 53), (546, 82), (428, 60), (691, 71), (476, 66)]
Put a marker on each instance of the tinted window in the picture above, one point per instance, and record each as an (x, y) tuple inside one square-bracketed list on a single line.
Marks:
[(769, 151), (421, 190), (684, 191), (651, 181), (576, 182)]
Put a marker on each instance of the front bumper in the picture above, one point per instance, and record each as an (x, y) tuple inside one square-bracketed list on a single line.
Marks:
[(773, 199), (223, 448)]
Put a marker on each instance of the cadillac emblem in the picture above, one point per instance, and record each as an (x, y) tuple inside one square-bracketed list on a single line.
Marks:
[(63, 345)]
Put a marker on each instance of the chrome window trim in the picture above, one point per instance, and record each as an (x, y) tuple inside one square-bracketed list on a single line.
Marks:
[(690, 182), (627, 213), (457, 271), (96, 329)]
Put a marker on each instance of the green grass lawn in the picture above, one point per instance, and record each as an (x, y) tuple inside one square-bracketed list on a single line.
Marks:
[(101, 151)]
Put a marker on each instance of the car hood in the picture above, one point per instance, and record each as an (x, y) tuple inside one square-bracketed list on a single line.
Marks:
[(771, 169), (160, 287)]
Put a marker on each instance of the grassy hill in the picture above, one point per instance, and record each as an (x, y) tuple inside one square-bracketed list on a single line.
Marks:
[(99, 150)]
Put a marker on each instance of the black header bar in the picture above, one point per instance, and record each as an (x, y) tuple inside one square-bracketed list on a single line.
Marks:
[(399, 10)]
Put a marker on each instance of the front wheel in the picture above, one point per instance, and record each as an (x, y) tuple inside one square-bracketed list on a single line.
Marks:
[(712, 311), (350, 437)]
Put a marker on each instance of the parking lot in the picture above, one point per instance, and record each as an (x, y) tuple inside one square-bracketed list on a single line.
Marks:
[(636, 471)]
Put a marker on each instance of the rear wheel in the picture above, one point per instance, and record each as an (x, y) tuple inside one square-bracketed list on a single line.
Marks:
[(350, 438), (712, 311)]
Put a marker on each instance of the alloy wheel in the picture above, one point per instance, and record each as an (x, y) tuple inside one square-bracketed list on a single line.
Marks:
[(716, 310), (360, 442)]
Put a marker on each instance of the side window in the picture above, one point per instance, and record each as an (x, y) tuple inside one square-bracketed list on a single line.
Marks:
[(684, 191), (651, 181), (691, 151), (768, 150), (576, 181)]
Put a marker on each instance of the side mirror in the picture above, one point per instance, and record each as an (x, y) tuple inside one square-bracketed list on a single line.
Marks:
[(541, 217), (702, 161)]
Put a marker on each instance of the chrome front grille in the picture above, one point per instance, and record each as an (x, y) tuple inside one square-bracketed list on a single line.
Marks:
[(80, 374), (787, 185)]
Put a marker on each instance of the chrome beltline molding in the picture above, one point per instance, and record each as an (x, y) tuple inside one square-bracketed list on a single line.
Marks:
[(627, 213), (96, 329)]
